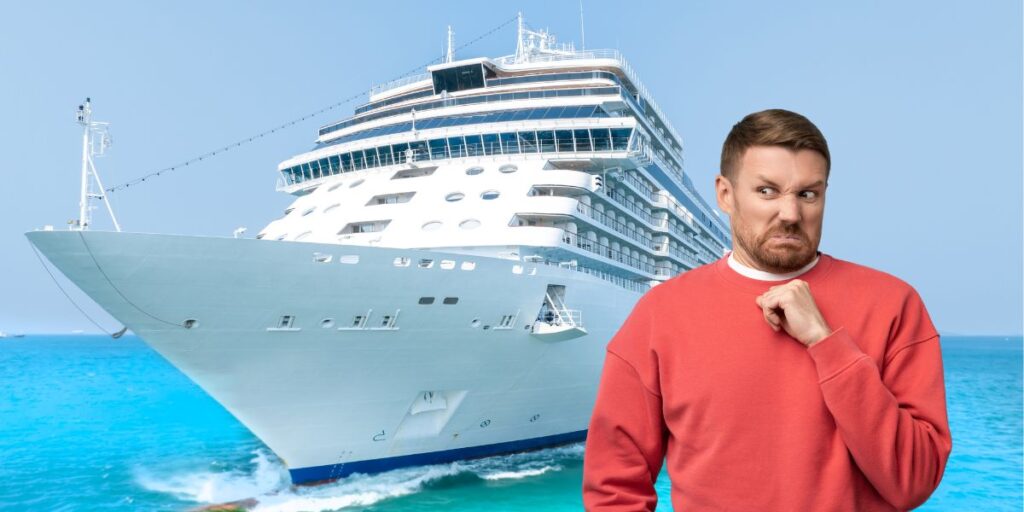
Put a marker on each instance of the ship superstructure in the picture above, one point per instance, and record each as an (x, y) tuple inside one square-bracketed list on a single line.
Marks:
[(457, 256)]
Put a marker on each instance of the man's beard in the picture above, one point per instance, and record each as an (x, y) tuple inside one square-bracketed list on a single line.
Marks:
[(778, 260)]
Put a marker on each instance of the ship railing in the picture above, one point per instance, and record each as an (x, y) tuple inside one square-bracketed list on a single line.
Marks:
[(616, 225), (628, 284), (398, 82), (596, 247)]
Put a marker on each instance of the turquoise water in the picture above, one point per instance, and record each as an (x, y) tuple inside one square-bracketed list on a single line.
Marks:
[(90, 423)]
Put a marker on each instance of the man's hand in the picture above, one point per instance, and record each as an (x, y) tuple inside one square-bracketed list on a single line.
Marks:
[(791, 307)]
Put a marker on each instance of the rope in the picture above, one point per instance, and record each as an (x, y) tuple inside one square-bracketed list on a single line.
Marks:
[(66, 295), (262, 134), (111, 283)]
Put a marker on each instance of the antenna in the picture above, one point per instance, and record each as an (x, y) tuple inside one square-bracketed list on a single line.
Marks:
[(450, 54), (95, 141), (583, 34)]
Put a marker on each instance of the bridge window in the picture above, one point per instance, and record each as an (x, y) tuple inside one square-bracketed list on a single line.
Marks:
[(458, 78)]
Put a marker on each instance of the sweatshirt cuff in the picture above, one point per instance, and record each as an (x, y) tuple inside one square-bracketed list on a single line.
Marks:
[(834, 353)]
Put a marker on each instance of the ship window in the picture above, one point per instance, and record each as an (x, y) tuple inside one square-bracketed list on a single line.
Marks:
[(433, 225), (602, 139), (190, 323), (289, 210), (332, 207), (620, 139), (546, 141), (564, 140), (454, 196), (356, 183), (438, 149), (469, 224), (282, 236), (528, 142), (426, 263), (510, 142), (451, 300), (402, 261), (335, 186), (286, 322), (508, 168), (474, 145), (349, 259), (583, 140), (320, 257), (457, 146), (490, 194), (458, 78), (426, 300), (327, 323), (447, 264), (260, 236), (491, 144), (473, 171), (468, 265), (308, 211), (414, 172)]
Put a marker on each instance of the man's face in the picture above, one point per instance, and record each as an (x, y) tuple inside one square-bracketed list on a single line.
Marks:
[(775, 203)]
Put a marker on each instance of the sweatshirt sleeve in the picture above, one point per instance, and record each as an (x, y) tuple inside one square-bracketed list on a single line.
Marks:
[(892, 421), (627, 435)]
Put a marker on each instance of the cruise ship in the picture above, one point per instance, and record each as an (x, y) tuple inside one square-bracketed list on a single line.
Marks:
[(457, 256)]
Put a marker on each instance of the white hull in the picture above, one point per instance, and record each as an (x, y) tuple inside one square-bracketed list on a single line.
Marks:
[(331, 401)]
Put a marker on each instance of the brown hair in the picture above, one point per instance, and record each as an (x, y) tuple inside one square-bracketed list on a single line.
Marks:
[(774, 127)]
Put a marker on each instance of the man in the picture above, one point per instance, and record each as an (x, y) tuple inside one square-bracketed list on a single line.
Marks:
[(779, 377)]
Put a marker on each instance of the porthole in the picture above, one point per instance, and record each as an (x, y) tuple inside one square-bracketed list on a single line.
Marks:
[(191, 323), (303, 235), (332, 207), (473, 171), (475, 322), (308, 211), (450, 300), (426, 300), (260, 236), (282, 237), (454, 196), (334, 187), (356, 183), (490, 194), (327, 323), (508, 169), (469, 224), (433, 225), (289, 210)]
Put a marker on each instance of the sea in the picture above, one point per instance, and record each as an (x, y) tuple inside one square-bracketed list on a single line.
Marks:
[(93, 423)]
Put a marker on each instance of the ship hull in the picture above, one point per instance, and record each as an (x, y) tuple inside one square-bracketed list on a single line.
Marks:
[(346, 359)]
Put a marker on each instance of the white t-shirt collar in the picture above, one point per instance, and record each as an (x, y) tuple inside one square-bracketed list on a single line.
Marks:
[(761, 275)]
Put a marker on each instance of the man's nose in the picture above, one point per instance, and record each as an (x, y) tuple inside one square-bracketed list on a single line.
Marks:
[(789, 208)]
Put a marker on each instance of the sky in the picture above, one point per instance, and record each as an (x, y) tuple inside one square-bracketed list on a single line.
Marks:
[(921, 102)]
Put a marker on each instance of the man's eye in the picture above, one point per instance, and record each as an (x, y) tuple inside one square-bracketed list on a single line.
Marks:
[(766, 191), (809, 194)]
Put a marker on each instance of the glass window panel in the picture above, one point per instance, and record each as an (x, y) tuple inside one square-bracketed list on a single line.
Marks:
[(602, 139), (583, 140), (546, 141), (335, 164), (474, 145), (509, 142), (385, 155), (537, 113), (438, 149), (325, 167), (457, 147), (371, 157), (419, 151), (528, 142), (491, 144), (620, 139), (505, 116), (357, 160), (401, 152), (346, 162), (564, 138), (553, 113), (519, 115)]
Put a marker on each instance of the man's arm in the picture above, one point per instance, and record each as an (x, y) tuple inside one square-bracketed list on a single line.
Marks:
[(894, 423), (627, 435)]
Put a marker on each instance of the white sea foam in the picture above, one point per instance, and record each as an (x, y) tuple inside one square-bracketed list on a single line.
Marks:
[(269, 485)]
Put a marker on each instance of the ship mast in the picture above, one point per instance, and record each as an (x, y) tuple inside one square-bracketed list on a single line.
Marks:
[(95, 141)]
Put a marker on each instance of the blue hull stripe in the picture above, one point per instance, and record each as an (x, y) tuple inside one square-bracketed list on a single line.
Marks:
[(333, 471)]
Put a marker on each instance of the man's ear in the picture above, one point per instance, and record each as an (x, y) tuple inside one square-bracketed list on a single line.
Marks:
[(724, 193)]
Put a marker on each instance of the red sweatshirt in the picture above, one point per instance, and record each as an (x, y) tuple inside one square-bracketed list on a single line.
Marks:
[(752, 420)]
